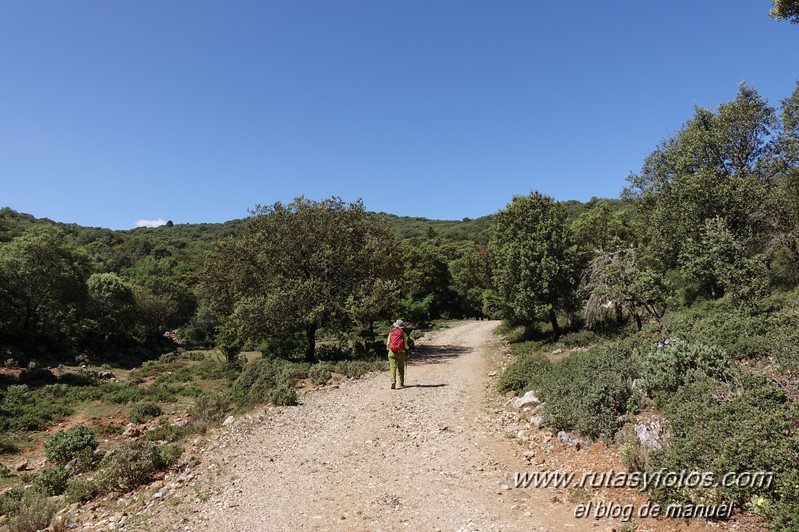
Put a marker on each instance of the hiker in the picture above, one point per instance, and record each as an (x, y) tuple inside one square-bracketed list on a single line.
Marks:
[(398, 344)]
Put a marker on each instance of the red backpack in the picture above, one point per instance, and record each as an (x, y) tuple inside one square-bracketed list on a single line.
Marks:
[(396, 340)]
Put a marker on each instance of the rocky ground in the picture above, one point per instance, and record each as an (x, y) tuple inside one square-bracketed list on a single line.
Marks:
[(440, 454)]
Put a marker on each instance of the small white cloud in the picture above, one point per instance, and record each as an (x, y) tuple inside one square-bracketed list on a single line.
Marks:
[(150, 223)]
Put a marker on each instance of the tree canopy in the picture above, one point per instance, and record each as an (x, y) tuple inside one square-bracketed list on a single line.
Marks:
[(785, 10), (301, 266), (533, 259)]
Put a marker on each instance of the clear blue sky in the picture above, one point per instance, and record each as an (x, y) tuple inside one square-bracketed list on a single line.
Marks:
[(197, 110)]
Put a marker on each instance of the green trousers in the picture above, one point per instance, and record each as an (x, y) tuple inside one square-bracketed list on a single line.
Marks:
[(396, 363)]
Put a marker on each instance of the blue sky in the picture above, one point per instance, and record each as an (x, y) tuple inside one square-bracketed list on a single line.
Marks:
[(196, 111)]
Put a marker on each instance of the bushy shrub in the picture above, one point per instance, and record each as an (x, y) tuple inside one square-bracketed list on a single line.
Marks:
[(589, 390), (290, 373), (76, 443), (319, 373), (257, 379), (135, 464), (718, 427), (525, 373), (10, 501), (173, 433), (672, 363), (81, 490), (581, 338), (211, 408), (36, 376), (164, 393), (262, 376), (741, 332), (358, 368), (418, 312), (283, 395), (34, 512), (122, 394), (283, 346), (7, 446), (633, 455), (141, 412), (26, 409), (53, 481)]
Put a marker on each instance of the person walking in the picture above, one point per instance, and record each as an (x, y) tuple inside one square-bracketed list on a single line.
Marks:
[(398, 345)]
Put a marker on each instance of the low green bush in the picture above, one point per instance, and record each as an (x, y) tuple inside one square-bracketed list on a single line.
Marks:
[(164, 393), (53, 481), (358, 368), (212, 408), (581, 338), (81, 490), (256, 380), (633, 455), (283, 395), (589, 391), (135, 464), (77, 443), (173, 433), (746, 426), (290, 373), (673, 363), (123, 394), (525, 373), (7, 446), (34, 512), (319, 373), (141, 412), (26, 409), (742, 332)]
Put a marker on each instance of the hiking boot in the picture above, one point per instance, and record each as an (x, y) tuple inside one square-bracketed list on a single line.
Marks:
[(401, 385), (393, 385)]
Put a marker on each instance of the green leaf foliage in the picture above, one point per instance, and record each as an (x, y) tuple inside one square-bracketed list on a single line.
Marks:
[(298, 267), (533, 259)]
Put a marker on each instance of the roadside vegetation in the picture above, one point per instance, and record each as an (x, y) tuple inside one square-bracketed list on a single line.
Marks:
[(677, 303), (678, 300)]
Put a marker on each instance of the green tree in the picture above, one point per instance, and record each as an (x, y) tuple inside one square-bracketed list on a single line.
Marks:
[(716, 261), (297, 267), (785, 10), (471, 276), (603, 225), (782, 212), (112, 306), (42, 287), (373, 300), (427, 274), (717, 165), (616, 281), (534, 259), (162, 305)]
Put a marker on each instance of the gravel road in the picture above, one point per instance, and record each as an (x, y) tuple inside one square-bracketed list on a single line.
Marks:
[(361, 456)]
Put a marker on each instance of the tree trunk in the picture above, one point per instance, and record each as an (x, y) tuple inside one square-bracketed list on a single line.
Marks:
[(310, 350), (653, 311), (619, 313), (553, 319)]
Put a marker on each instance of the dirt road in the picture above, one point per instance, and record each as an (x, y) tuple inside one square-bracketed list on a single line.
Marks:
[(364, 457)]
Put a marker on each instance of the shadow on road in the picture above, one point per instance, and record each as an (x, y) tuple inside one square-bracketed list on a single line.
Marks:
[(437, 354), (424, 385)]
